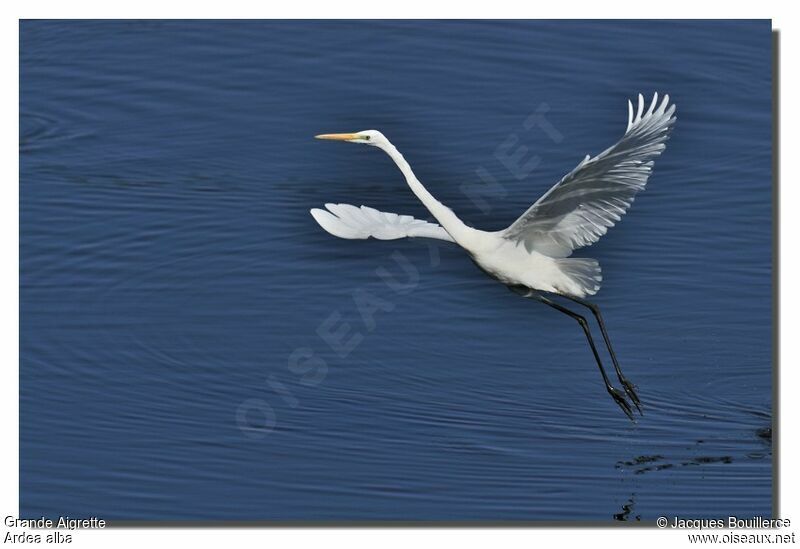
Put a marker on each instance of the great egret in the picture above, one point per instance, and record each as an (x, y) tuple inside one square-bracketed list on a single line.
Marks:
[(532, 255)]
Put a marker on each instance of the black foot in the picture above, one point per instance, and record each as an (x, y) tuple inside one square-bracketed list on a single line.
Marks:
[(619, 398), (630, 391)]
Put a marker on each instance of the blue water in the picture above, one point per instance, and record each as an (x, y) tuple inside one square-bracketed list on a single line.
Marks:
[(192, 345)]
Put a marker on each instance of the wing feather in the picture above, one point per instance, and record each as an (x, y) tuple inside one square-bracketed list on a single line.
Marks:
[(590, 199), (348, 221)]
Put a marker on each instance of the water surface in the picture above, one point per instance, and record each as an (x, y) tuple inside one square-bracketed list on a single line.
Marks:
[(174, 288)]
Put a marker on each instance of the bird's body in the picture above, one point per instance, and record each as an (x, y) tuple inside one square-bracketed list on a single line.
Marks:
[(513, 265), (532, 254), (576, 277)]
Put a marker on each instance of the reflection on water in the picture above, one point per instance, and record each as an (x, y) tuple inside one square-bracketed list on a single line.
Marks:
[(175, 290), (627, 513)]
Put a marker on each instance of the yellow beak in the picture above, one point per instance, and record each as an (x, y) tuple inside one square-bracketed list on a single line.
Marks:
[(338, 136)]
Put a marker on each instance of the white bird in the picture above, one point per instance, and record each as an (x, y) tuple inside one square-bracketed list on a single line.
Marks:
[(531, 256)]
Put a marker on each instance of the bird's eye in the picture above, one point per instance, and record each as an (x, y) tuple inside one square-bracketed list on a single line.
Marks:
[(366, 137)]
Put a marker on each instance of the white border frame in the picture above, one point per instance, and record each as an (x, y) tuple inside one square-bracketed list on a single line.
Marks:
[(789, 28)]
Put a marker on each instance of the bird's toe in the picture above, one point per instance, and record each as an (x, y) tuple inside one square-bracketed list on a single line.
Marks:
[(619, 398), (630, 390)]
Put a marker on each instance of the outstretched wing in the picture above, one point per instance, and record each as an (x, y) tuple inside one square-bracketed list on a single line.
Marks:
[(346, 221), (580, 208)]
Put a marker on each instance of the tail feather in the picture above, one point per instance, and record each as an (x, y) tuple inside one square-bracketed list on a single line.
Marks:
[(583, 274)]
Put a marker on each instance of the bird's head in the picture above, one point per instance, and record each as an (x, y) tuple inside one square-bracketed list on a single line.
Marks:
[(366, 137)]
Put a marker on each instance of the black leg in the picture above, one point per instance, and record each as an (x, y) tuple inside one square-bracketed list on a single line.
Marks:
[(629, 387), (616, 394)]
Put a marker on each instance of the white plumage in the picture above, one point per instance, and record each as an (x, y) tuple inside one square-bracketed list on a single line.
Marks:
[(580, 208), (534, 250), (532, 255), (346, 221)]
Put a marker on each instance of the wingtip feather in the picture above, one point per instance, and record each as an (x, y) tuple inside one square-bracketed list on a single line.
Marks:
[(333, 225), (630, 115)]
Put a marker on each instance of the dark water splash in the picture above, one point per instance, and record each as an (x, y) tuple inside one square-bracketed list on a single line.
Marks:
[(177, 300)]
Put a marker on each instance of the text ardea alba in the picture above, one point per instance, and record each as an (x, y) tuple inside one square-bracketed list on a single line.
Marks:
[(532, 255)]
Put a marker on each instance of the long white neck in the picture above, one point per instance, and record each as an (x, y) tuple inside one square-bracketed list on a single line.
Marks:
[(444, 215)]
